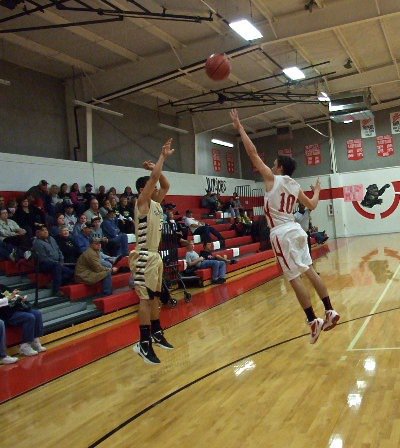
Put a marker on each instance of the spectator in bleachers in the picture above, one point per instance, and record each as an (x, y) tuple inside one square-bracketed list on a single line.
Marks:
[(2, 202), (128, 194), (28, 216), (180, 232), (109, 247), (11, 233), (203, 230), (79, 225), (82, 236), (11, 207), (15, 311), (234, 205), (60, 222), (4, 358), (106, 206), (51, 259), (77, 198), (7, 252), (125, 215), (89, 269), (56, 203), (112, 193), (113, 234), (93, 211), (101, 194), (196, 261), (88, 195), (40, 194), (210, 201), (64, 195), (70, 217), (68, 247)]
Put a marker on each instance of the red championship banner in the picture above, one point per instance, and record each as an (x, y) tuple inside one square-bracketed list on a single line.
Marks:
[(216, 155), (355, 149), (313, 154), (262, 157), (285, 152), (368, 128), (230, 162), (384, 144)]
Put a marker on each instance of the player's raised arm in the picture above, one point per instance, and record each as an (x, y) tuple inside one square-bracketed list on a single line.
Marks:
[(156, 175), (251, 150), (311, 204)]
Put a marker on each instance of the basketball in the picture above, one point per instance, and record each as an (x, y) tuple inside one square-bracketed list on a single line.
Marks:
[(218, 67)]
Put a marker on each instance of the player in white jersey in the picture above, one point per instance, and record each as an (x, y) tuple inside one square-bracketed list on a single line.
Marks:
[(145, 261), (288, 239)]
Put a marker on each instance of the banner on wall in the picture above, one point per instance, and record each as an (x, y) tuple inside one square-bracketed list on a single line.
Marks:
[(368, 128), (384, 144), (230, 162), (285, 152), (262, 157), (355, 149), (216, 155), (313, 154), (395, 122), (353, 193)]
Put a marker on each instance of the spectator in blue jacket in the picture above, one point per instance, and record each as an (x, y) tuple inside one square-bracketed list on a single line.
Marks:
[(112, 232), (51, 259)]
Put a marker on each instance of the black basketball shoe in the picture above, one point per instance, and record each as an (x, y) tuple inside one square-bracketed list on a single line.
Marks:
[(159, 339), (145, 350)]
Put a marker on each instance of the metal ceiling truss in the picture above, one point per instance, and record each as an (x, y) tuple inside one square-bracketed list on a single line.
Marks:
[(278, 94), (115, 13)]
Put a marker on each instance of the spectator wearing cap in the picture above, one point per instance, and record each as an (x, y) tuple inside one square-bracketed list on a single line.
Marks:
[(88, 195), (67, 246), (70, 217), (89, 269), (51, 259), (93, 211), (40, 194), (112, 232)]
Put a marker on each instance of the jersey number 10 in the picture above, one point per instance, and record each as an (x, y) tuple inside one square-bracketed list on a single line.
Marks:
[(287, 203)]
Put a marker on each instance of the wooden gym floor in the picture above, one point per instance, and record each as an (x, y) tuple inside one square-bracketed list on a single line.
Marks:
[(243, 373)]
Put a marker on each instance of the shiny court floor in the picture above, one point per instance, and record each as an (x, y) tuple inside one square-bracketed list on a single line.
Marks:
[(243, 373)]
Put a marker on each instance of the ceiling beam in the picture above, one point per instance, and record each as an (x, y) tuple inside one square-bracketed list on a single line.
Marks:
[(49, 52), (261, 6)]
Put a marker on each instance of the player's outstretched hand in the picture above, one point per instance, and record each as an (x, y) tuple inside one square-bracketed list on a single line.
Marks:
[(148, 165), (166, 149), (235, 119), (317, 186)]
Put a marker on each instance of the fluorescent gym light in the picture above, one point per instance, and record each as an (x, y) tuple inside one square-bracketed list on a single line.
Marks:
[(323, 97), (294, 73), (173, 128), (222, 143), (333, 108), (347, 121), (101, 109), (245, 29), (5, 82)]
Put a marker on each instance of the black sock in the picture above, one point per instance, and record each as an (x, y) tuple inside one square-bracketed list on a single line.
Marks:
[(310, 314), (144, 333), (327, 303), (155, 326)]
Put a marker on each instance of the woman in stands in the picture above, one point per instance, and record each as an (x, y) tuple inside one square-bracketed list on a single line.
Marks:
[(64, 195), (11, 312), (77, 198), (128, 194), (60, 222), (112, 192), (106, 206), (28, 216), (78, 226)]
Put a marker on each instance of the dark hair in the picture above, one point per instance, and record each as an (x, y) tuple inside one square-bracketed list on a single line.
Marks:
[(287, 163), (188, 211), (73, 188), (141, 182)]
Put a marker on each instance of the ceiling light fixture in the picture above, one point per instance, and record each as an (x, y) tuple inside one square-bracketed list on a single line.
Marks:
[(294, 73), (347, 121), (245, 29), (323, 97), (5, 82), (222, 143), (173, 128)]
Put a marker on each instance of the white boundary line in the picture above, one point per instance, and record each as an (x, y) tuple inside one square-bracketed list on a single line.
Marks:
[(374, 308), (372, 349)]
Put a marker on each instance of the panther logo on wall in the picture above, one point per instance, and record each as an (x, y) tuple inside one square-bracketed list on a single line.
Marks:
[(372, 198)]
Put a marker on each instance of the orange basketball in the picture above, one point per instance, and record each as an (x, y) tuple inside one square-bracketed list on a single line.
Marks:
[(218, 67)]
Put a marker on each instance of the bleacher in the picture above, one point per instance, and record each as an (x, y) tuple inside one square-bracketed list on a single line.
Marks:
[(82, 302)]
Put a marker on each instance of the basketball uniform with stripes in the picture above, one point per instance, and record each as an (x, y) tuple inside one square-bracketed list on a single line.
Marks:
[(288, 239), (145, 261)]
